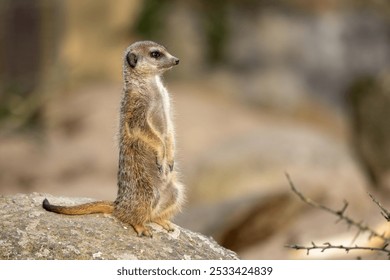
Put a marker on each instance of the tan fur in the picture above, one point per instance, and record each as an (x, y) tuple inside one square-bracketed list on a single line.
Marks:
[(87, 208), (148, 189)]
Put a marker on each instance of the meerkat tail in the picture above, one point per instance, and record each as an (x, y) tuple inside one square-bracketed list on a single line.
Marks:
[(87, 208)]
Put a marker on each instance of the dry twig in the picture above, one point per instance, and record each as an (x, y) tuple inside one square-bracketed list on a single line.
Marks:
[(327, 246), (350, 222), (385, 213)]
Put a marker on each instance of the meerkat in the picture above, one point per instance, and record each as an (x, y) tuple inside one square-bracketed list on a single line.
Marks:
[(148, 188)]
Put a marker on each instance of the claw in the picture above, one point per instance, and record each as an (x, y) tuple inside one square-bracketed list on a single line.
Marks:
[(159, 166), (143, 231), (167, 225)]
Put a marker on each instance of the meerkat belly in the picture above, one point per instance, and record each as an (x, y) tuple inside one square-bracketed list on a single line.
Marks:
[(137, 169)]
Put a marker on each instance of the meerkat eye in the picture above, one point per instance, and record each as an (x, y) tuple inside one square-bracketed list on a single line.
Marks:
[(155, 54)]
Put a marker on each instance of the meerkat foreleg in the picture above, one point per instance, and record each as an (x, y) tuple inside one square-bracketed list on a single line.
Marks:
[(170, 150), (159, 144), (152, 139)]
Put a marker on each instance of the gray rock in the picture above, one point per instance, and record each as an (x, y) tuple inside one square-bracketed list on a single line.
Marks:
[(29, 232)]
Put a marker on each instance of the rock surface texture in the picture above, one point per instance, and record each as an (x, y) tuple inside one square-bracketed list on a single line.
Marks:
[(29, 232)]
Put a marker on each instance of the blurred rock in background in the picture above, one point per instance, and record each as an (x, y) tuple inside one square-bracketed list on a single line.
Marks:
[(263, 88), (369, 99)]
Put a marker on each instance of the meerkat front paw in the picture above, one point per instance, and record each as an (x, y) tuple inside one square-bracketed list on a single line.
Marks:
[(171, 164), (170, 161), (160, 165)]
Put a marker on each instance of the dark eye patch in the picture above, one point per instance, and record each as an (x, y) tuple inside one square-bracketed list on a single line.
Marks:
[(155, 54)]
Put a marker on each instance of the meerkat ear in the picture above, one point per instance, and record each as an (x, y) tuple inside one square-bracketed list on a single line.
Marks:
[(131, 59)]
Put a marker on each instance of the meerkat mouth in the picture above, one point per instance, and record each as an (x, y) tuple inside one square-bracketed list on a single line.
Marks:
[(168, 67)]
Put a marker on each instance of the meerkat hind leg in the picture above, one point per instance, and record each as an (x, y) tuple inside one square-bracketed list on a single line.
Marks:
[(169, 207)]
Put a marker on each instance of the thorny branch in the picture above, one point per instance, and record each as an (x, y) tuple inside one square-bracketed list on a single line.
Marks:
[(327, 246), (385, 213), (350, 222)]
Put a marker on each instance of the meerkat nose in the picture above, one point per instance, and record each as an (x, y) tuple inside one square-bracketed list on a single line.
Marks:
[(177, 61)]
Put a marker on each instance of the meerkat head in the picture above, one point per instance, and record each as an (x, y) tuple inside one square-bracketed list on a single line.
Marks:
[(146, 58)]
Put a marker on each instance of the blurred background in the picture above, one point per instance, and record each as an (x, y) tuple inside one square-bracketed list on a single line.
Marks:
[(263, 88)]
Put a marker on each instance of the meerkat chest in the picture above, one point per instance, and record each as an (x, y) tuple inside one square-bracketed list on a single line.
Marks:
[(163, 104), (162, 91)]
